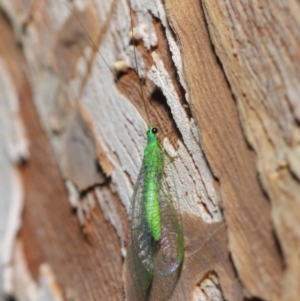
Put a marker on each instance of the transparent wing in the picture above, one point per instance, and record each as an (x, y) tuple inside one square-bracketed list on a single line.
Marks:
[(141, 244), (169, 250), (150, 257), (141, 277)]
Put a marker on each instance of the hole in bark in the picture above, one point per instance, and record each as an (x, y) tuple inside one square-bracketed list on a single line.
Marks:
[(10, 298), (90, 189), (159, 101)]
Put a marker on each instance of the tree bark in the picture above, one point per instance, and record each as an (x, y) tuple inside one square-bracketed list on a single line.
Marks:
[(79, 85)]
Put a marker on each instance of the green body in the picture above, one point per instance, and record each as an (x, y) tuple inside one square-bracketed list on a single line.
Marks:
[(153, 161), (156, 241)]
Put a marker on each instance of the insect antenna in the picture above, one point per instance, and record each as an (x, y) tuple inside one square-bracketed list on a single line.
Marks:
[(136, 65), (142, 94)]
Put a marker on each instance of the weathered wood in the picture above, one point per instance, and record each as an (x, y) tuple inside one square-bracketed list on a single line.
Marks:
[(259, 51), (220, 81), (246, 209)]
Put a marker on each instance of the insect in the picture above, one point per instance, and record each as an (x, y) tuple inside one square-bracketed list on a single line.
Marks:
[(156, 236), (156, 240)]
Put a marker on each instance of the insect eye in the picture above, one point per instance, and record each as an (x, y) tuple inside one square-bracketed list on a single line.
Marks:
[(154, 130)]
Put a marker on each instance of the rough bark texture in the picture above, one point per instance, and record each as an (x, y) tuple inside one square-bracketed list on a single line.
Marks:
[(221, 82)]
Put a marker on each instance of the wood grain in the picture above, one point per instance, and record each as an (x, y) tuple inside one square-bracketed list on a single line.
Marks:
[(246, 209), (220, 80), (259, 51)]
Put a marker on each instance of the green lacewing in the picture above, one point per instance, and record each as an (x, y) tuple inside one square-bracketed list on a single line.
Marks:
[(156, 242), (156, 235)]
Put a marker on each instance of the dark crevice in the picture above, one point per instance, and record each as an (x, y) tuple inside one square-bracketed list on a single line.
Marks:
[(218, 61), (253, 299), (90, 189), (158, 99), (10, 298), (181, 91)]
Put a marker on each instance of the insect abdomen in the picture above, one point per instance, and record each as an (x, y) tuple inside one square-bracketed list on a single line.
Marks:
[(151, 191)]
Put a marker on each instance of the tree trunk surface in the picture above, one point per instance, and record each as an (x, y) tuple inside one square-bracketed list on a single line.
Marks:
[(81, 80)]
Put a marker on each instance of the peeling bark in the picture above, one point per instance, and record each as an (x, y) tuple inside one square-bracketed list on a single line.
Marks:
[(220, 81)]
